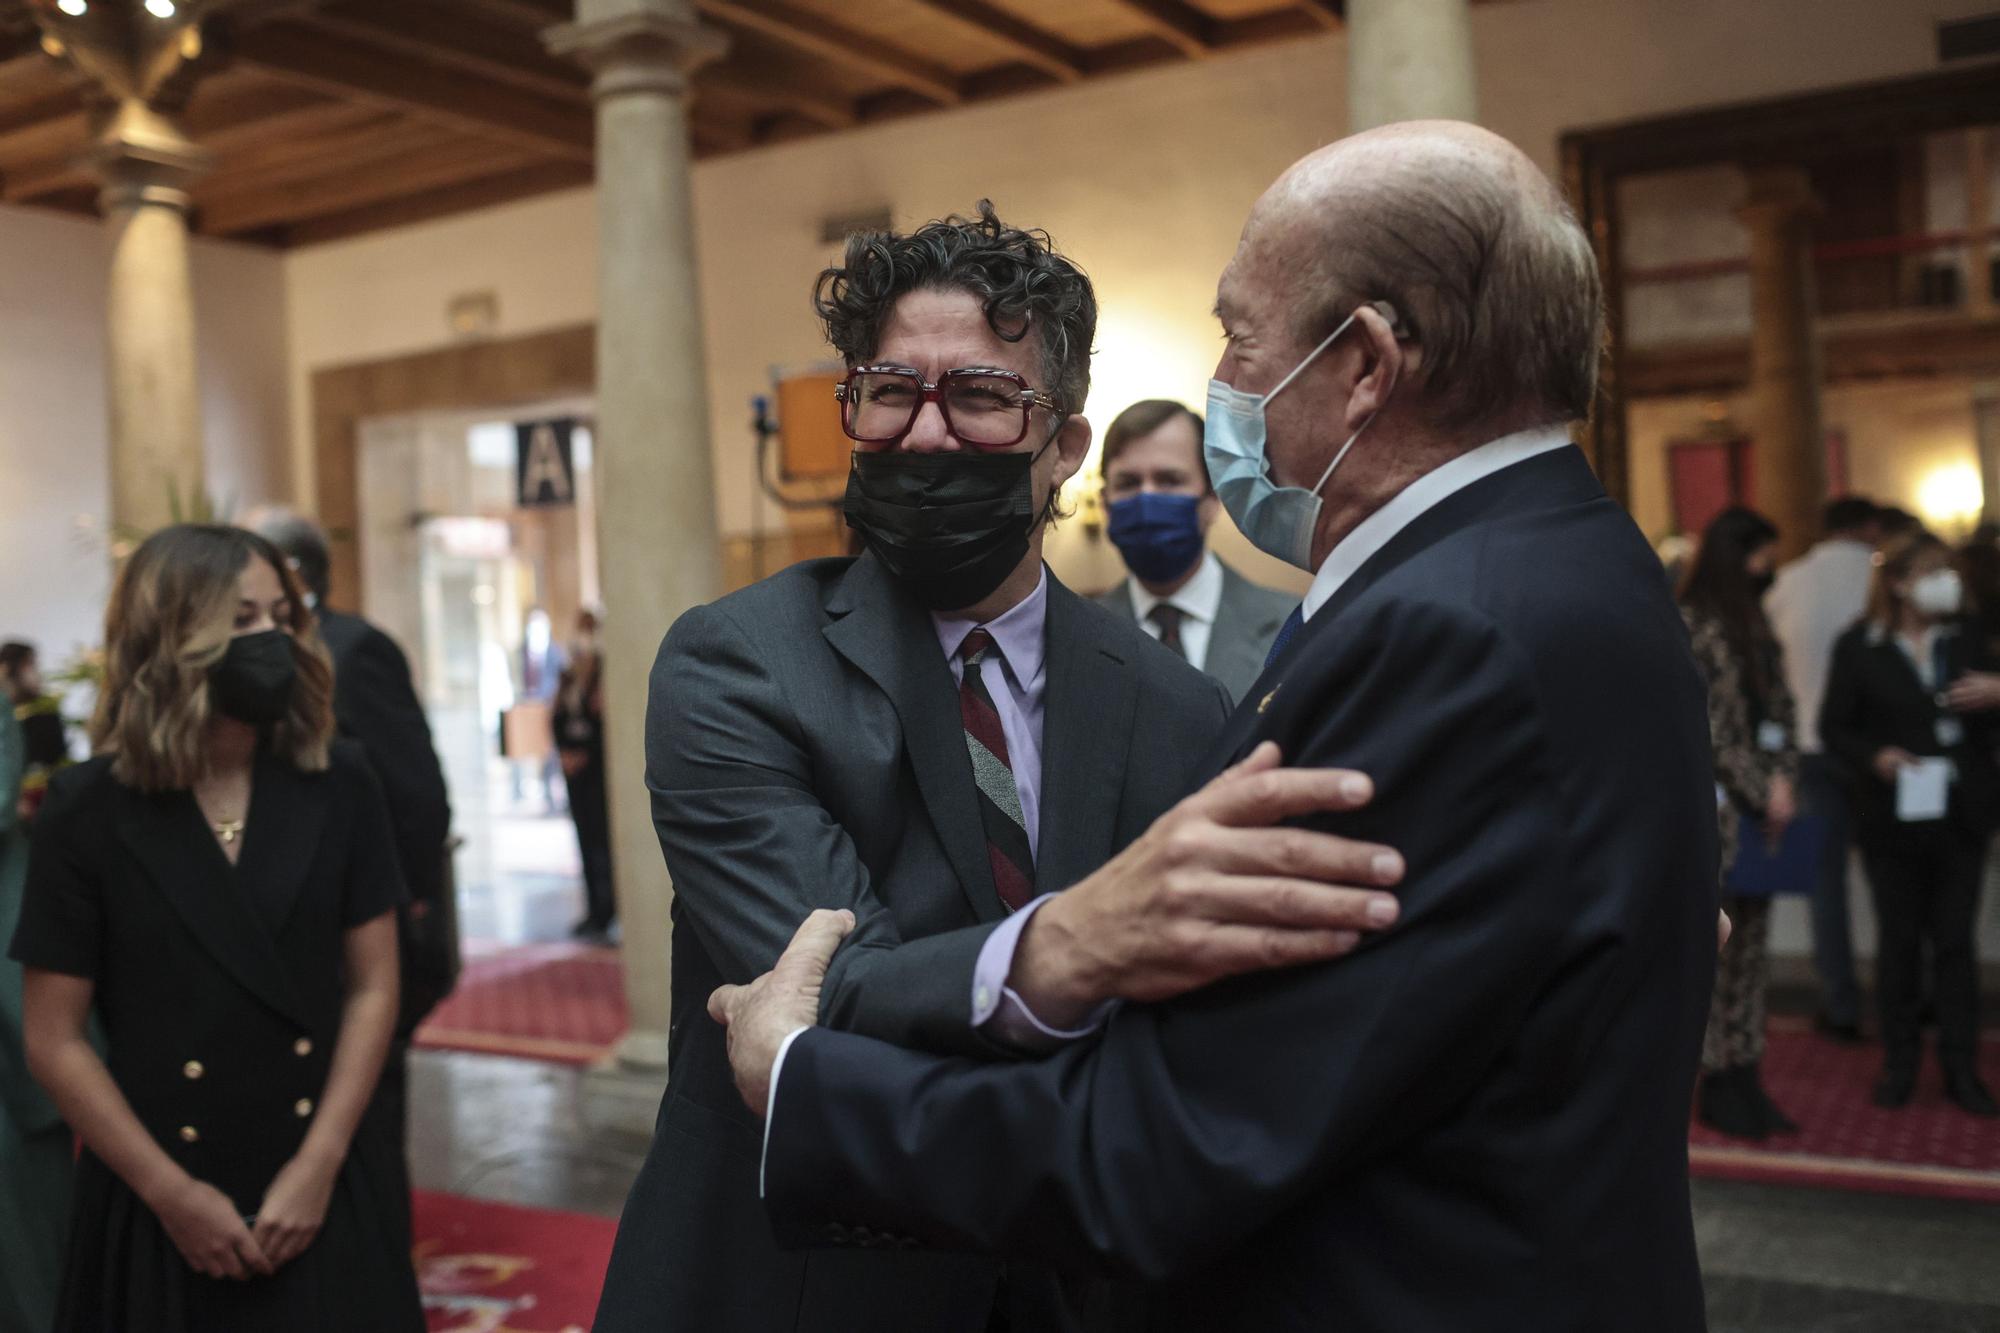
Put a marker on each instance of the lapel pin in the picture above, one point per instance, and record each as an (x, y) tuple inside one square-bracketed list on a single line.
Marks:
[(1265, 702)]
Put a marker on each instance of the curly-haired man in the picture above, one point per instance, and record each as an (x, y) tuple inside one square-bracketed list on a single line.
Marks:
[(935, 736)]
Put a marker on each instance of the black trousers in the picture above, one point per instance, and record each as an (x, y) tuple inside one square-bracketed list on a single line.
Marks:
[(590, 810), (1925, 879)]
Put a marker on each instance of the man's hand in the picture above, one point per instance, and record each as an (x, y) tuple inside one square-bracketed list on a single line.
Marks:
[(1974, 692), (1212, 889), (761, 1015)]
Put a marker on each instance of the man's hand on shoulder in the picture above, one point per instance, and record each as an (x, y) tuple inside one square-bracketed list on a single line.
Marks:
[(761, 1015), (1214, 888)]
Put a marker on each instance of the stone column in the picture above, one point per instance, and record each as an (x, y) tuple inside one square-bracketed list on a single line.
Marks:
[(1788, 444), (656, 524), (1986, 439), (155, 395), (1409, 60), (140, 68)]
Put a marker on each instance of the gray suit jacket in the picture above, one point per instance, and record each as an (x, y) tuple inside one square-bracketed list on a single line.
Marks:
[(1245, 626), (804, 750)]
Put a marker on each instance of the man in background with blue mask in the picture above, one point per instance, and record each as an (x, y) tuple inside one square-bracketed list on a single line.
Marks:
[(1477, 1120), (1160, 506)]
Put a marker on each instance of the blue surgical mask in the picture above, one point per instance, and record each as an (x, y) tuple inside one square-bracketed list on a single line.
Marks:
[(1278, 520), (1159, 535)]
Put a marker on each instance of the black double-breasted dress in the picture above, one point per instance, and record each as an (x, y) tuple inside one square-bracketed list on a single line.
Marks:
[(220, 989)]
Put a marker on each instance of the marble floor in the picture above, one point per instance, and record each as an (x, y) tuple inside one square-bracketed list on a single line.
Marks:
[(1777, 1260)]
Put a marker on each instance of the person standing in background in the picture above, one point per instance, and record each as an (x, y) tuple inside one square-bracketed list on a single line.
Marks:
[(1161, 506), (219, 884), (541, 665), (1909, 717), (46, 741), (375, 705), (35, 1154), (1812, 603), (1751, 721), (579, 734)]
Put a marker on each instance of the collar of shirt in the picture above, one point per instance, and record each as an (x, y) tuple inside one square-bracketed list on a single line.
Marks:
[(1418, 498), (1200, 598), (1921, 652), (1020, 633)]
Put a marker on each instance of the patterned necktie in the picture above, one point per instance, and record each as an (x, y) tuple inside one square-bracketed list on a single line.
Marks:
[(1168, 617), (1285, 633), (1007, 848)]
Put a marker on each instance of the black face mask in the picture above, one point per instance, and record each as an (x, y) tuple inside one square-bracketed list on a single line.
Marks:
[(949, 527), (253, 681)]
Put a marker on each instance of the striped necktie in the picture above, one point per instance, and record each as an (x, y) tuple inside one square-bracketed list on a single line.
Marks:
[(1285, 632), (1007, 848)]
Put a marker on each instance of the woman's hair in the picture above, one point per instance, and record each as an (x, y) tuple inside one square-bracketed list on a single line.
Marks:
[(1893, 563), (170, 620), (1718, 584)]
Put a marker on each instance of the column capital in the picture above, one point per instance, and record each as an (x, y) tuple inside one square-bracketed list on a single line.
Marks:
[(142, 157), (638, 45)]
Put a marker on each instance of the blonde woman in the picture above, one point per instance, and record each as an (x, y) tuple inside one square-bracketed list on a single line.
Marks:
[(1910, 704), (219, 883)]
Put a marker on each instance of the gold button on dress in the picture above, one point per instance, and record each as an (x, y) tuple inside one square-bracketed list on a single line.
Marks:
[(302, 1108), (193, 1069), (302, 1047), (189, 1134)]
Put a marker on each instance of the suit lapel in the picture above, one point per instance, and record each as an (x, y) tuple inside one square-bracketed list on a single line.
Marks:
[(169, 838), (1087, 708), (1233, 654), (280, 840), (890, 640)]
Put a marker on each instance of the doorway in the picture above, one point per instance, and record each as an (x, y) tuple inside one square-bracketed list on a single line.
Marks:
[(484, 584)]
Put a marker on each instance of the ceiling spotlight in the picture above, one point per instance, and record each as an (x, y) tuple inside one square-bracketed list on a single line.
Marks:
[(74, 8), (160, 9)]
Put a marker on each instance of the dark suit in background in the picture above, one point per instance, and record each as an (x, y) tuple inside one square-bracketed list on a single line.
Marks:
[(1246, 622), (375, 705), (805, 749), (1478, 1120)]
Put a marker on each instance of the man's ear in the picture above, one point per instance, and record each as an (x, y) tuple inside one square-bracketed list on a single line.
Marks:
[(1382, 365), (1072, 444), (1208, 510)]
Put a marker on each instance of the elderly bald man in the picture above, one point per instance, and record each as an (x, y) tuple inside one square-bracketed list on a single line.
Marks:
[(1478, 1120)]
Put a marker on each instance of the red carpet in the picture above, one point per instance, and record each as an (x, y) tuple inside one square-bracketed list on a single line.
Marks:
[(559, 1002), (1846, 1142), (493, 1268)]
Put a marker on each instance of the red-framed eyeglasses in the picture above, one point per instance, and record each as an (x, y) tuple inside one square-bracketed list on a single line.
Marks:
[(984, 408)]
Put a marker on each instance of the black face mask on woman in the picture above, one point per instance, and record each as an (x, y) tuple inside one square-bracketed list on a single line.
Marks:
[(253, 681), (949, 527)]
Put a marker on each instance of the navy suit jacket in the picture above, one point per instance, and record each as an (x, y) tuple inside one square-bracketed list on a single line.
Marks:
[(1478, 1120)]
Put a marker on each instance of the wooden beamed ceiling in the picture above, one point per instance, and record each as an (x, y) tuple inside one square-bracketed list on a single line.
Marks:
[(333, 118)]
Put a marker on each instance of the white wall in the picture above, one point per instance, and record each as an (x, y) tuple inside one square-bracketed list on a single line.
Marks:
[(54, 460), (1143, 179)]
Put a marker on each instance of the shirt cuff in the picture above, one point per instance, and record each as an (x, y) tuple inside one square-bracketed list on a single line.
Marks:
[(771, 1102), (1000, 1011)]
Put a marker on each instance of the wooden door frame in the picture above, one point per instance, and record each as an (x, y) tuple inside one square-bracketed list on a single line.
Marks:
[(502, 373), (1772, 131)]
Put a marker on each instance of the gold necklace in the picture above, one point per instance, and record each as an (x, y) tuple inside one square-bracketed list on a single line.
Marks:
[(229, 830)]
